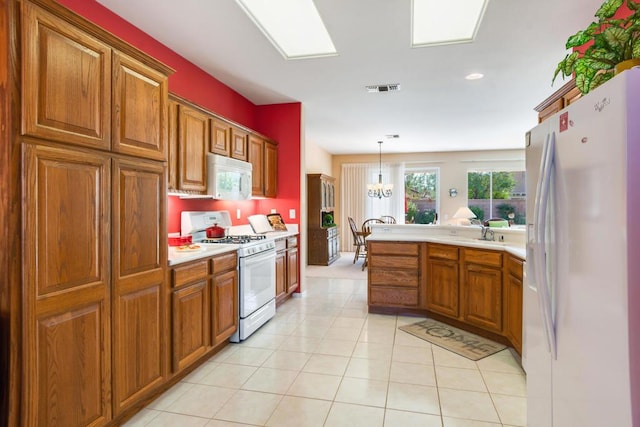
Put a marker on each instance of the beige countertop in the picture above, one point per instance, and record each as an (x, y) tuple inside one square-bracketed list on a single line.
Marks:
[(207, 250), (507, 240)]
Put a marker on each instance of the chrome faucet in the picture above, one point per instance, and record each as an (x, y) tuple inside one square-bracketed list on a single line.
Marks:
[(487, 233)]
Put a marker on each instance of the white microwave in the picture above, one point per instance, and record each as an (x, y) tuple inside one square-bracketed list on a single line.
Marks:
[(228, 179)]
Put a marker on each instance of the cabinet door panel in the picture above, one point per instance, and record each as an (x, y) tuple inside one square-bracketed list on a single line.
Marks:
[(281, 273), (442, 287), (193, 147), (270, 170), (513, 311), (225, 305), (483, 297), (191, 307), (72, 390), (221, 139), (139, 109), (292, 270), (67, 82), (139, 279), (256, 157), (172, 145), (239, 145), (66, 312)]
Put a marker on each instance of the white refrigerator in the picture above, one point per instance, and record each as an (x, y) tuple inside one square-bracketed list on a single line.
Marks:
[(581, 349)]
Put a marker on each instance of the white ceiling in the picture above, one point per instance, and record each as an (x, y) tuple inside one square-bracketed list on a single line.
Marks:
[(517, 48)]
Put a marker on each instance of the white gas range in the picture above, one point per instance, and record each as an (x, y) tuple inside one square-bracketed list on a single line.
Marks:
[(256, 266)]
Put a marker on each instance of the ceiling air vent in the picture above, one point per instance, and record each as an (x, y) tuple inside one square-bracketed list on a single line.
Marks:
[(383, 88)]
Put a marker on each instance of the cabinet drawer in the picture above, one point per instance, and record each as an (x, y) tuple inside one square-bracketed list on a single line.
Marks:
[(405, 278), (224, 262), (477, 256), (184, 274), (281, 244), (389, 297), (393, 248), (292, 242), (401, 262), (514, 267), (442, 251)]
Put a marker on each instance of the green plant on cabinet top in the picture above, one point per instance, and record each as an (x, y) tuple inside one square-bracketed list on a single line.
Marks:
[(614, 41)]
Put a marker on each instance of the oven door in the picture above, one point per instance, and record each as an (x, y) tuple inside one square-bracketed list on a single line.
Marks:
[(257, 281)]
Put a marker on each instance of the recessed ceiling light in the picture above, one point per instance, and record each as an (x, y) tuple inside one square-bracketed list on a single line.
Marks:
[(294, 27), (432, 24), (474, 76)]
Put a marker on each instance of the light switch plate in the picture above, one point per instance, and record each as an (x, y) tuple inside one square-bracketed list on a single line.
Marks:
[(292, 214)]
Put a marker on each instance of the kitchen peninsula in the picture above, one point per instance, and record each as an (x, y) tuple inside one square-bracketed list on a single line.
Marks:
[(450, 274)]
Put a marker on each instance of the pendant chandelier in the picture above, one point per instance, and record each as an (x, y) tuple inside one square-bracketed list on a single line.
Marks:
[(378, 189)]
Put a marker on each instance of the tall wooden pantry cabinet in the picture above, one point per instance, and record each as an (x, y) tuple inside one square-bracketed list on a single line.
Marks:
[(88, 293), (323, 233)]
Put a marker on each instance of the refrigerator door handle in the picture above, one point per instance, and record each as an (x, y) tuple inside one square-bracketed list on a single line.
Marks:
[(540, 242)]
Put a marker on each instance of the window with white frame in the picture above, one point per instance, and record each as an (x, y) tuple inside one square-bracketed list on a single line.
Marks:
[(497, 194), (421, 195)]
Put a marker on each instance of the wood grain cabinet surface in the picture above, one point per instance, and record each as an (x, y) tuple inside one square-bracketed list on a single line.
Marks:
[(263, 155), (140, 305), (93, 302), (443, 295), (193, 144), (66, 93), (395, 274), (220, 138), (513, 301), (139, 110), (287, 278), (477, 289), (66, 289)]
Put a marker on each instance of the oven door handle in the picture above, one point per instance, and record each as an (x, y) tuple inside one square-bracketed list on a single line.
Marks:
[(262, 256)]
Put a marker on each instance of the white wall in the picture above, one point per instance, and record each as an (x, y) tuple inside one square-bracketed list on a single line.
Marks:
[(318, 160), (453, 166)]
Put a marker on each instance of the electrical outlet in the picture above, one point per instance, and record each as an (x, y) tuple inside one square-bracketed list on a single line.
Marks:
[(273, 211), (238, 216), (292, 214), (453, 232)]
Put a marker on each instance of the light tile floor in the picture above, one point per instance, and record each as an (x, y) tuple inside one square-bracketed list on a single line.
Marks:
[(324, 361)]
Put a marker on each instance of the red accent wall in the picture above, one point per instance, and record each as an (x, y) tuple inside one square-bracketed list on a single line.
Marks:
[(280, 122)]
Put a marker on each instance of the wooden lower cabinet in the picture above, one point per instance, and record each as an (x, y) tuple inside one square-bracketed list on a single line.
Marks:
[(513, 301), (324, 246), (205, 307), (442, 286), (139, 285), (475, 287), (190, 312), (224, 305), (67, 306), (287, 278), (395, 274)]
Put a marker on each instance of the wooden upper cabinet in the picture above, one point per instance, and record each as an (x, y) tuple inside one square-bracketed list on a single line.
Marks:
[(263, 155), (560, 99), (66, 92), (270, 169), (239, 144), (139, 281), (172, 144), (66, 312), (256, 158), (139, 108), (193, 143), (221, 138)]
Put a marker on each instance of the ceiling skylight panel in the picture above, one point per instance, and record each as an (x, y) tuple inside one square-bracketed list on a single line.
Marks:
[(293, 26), (436, 22)]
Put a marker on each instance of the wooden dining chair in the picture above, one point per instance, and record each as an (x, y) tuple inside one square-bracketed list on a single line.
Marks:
[(358, 240), (388, 219), (366, 230)]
